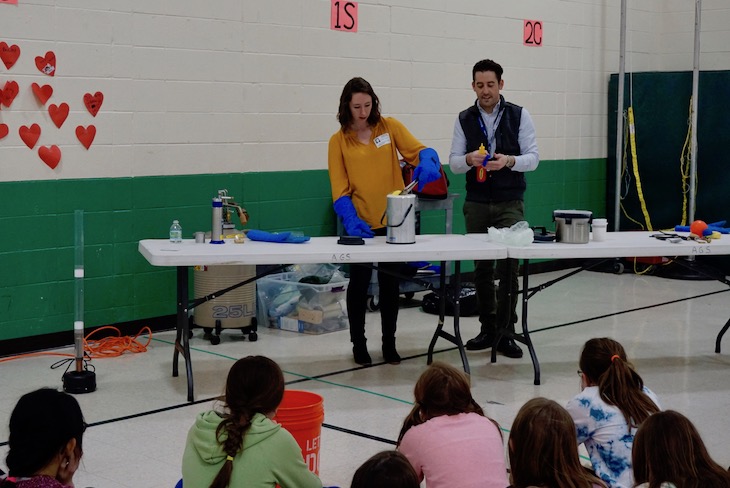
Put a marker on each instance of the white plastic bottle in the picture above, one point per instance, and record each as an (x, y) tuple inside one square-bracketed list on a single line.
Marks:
[(176, 232)]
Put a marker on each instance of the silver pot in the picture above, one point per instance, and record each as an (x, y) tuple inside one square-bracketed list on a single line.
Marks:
[(401, 213), (572, 226)]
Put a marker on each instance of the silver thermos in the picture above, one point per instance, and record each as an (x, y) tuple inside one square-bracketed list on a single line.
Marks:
[(216, 232)]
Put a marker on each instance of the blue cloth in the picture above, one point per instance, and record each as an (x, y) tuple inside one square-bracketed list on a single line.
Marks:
[(354, 225), (283, 237), (428, 169)]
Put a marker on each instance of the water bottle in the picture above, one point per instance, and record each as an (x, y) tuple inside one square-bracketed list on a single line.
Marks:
[(175, 232)]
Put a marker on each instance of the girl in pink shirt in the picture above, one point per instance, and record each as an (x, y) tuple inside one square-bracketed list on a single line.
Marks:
[(447, 438)]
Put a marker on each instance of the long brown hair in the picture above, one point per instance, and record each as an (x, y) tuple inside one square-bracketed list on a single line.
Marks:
[(357, 85), (667, 447), (440, 390), (543, 450), (255, 384), (604, 363)]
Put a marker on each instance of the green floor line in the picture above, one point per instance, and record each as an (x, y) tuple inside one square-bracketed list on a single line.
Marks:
[(298, 375), (321, 381)]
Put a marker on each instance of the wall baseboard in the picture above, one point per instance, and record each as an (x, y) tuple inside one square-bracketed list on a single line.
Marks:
[(22, 345)]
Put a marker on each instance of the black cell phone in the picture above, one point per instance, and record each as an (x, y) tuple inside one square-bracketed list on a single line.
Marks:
[(351, 240)]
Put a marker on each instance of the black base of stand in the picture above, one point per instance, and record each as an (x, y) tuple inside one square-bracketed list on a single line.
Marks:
[(79, 382)]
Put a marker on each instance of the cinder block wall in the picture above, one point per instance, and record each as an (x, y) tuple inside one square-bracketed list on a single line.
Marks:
[(243, 96)]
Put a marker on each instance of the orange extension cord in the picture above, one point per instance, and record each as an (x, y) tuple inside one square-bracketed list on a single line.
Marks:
[(107, 347)]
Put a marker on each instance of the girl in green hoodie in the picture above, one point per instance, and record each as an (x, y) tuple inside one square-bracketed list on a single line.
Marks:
[(242, 446)]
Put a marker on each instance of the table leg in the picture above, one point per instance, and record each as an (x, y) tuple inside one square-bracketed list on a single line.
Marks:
[(524, 338), (719, 336), (182, 337), (457, 313), (442, 314), (525, 329), (456, 337)]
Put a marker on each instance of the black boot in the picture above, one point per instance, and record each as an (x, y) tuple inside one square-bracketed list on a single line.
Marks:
[(360, 353), (390, 355), (483, 340)]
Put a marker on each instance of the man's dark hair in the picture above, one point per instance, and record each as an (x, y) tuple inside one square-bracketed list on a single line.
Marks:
[(487, 65)]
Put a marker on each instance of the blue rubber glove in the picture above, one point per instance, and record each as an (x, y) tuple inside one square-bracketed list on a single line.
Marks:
[(354, 225), (428, 169), (262, 235)]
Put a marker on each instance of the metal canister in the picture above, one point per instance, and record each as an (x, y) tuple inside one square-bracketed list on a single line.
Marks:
[(572, 226), (401, 213), (216, 230)]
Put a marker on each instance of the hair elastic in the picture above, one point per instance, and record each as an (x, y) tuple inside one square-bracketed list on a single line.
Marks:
[(229, 458), (615, 357)]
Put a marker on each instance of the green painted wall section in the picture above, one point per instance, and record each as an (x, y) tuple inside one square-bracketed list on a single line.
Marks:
[(37, 222)]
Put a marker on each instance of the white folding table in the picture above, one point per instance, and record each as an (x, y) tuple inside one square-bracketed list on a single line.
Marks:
[(442, 247), (616, 245)]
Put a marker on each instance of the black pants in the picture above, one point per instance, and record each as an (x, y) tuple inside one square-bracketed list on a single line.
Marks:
[(497, 305), (357, 296)]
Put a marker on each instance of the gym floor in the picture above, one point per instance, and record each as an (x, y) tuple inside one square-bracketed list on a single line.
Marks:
[(139, 417)]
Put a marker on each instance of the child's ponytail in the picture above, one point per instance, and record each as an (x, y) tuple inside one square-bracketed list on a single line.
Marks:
[(604, 363)]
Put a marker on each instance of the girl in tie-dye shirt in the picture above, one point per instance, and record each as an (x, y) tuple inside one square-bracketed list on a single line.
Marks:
[(612, 405)]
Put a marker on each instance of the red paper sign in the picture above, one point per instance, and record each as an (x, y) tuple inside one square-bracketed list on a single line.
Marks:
[(532, 33), (9, 92), (46, 64), (9, 54), (42, 93), (58, 113), (343, 16), (86, 135), (9, 2), (50, 155), (4, 130), (30, 135), (93, 102)]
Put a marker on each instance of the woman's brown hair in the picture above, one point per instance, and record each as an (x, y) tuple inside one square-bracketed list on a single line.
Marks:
[(668, 448), (255, 384), (440, 390), (604, 363), (543, 450), (357, 85)]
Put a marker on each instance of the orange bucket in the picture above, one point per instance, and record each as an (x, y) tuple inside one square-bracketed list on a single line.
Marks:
[(302, 414)]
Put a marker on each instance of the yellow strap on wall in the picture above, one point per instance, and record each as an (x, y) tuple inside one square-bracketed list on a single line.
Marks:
[(634, 160)]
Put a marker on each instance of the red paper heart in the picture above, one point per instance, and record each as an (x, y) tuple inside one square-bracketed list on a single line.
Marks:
[(86, 135), (93, 102), (9, 54), (42, 93), (30, 134), (9, 92), (50, 155), (46, 64), (58, 113), (4, 130)]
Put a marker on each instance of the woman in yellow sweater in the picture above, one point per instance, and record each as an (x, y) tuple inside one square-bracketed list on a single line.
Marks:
[(364, 167)]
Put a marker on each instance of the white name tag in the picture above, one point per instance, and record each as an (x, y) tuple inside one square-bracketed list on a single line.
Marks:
[(382, 140)]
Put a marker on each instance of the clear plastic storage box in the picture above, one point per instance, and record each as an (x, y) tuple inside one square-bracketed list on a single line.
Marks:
[(287, 304)]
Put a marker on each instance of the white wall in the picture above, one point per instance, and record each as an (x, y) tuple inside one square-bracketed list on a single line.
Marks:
[(253, 85)]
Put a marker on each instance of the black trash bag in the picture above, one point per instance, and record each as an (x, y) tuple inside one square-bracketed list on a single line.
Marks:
[(467, 301)]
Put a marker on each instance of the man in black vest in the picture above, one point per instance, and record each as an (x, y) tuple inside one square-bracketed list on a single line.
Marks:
[(494, 144)]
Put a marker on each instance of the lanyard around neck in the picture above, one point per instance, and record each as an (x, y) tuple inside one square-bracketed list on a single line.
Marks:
[(491, 141)]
